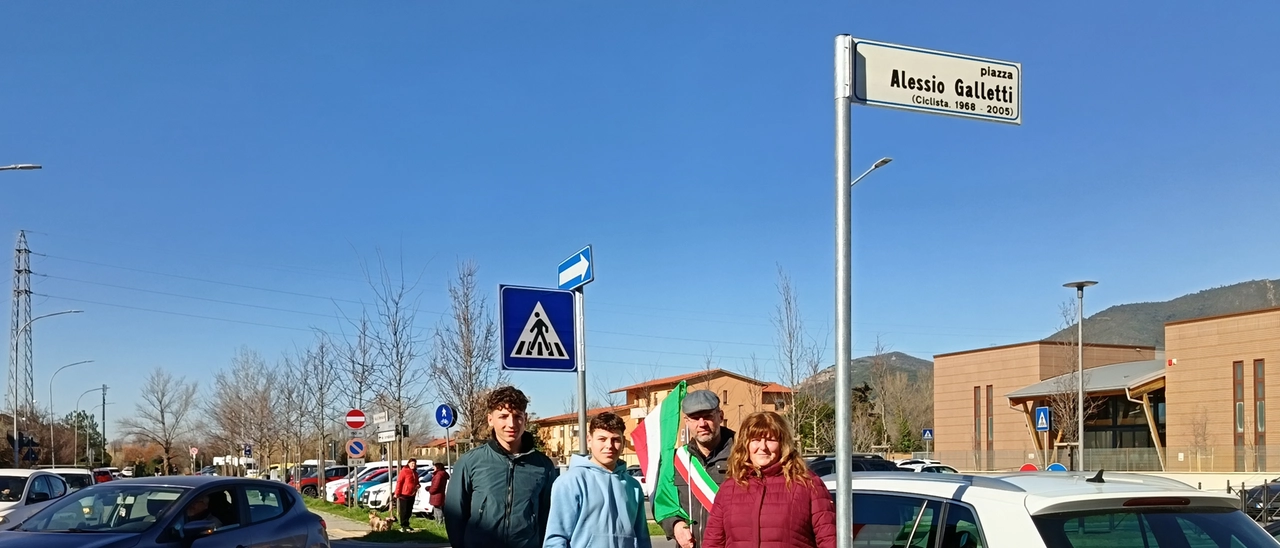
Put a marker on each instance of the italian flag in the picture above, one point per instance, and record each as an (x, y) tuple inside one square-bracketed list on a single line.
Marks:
[(654, 438)]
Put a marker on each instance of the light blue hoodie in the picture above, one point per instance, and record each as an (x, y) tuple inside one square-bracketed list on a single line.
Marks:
[(594, 508)]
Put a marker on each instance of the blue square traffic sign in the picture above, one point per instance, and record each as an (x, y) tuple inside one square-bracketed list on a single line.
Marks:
[(1043, 419), (537, 329)]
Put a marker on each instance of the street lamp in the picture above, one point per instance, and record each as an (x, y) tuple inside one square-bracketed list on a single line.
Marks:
[(75, 440), (13, 370), (1080, 365), (20, 167), (879, 164), (53, 453)]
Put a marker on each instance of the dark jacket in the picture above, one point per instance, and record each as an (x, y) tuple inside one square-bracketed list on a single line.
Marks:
[(407, 483), (768, 513), (716, 465), (438, 482), (499, 499)]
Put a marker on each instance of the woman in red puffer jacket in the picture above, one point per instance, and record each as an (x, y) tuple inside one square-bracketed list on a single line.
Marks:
[(769, 498)]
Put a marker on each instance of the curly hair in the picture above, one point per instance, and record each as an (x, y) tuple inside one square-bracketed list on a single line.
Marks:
[(766, 425), (506, 397), (608, 422)]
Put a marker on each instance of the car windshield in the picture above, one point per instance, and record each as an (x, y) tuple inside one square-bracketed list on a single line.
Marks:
[(12, 487), (1197, 528), (106, 509), (77, 481)]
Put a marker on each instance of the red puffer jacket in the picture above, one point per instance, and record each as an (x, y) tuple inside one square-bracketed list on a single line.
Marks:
[(766, 513)]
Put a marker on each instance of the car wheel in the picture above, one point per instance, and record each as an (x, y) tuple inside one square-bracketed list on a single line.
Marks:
[(309, 491)]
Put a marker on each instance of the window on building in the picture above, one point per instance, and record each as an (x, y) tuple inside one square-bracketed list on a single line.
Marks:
[(724, 397), (1237, 379), (977, 418), (1260, 412)]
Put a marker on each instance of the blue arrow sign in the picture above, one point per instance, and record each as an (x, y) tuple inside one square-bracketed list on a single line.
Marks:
[(445, 416), (926, 434), (577, 270), (248, 450), (1043, 419), (537, 329)]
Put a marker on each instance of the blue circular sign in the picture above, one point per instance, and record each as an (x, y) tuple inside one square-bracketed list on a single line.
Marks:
[(355, 448), (1056, 467), (445, 417)]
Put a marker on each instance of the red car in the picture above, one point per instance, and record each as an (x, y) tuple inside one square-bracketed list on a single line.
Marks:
[(309, 485), (101, 475)]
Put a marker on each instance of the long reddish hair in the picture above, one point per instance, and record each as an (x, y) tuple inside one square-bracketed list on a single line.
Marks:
[(766, 425)]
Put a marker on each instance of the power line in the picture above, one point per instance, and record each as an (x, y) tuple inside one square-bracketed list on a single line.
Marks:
[(228, 320), (192, 297)]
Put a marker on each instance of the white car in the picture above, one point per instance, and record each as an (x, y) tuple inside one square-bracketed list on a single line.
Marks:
[(929, 468), (25, 492), (378, 497), (1044, 510), (76, 478)]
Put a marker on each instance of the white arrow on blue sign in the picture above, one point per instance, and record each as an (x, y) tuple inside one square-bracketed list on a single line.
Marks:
[(445, 416), (536, 329), (577, 270), (1042, 419), (926, 434)]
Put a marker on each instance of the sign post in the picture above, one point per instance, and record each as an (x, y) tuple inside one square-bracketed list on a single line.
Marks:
[(895, 76), (574, 274), (1044, 419), (446, 418)]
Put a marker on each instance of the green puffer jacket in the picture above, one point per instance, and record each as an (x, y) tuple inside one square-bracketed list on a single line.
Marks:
[(496, 499)]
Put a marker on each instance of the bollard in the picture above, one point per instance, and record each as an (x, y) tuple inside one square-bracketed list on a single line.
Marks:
[(1199, 487)]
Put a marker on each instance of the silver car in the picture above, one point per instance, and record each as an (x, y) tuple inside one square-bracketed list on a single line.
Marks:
[(195, 511)]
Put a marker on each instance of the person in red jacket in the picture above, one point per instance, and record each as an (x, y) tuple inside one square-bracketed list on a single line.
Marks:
[(769, 498), (407, 490), (439, 480)]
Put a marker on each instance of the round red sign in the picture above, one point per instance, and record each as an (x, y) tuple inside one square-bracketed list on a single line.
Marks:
[(355, 419), (1028, 467)]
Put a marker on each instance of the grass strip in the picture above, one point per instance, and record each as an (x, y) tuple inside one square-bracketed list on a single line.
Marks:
[(427, 530)]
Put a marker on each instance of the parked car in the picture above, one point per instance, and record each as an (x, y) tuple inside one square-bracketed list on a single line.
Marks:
[(208, 471), (364, 485), (309, 484), (862, 462), (1258, 495), (102, 475), (1273, 529), (76, 478), (929, 468), (342, 488), (127, 472), (151, 512), (378, 497), (908, 462), (638, 474), (1044, 510), (25, 492)]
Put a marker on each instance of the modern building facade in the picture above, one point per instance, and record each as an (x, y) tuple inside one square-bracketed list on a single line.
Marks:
[(1198, 405)]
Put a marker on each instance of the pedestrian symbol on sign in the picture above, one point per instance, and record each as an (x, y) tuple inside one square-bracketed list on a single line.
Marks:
[(539, 339)]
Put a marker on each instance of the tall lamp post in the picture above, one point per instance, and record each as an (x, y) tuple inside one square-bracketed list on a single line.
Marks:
[(13, 373), (20, 167), (1080, 365), (76, 437), (53, 452)]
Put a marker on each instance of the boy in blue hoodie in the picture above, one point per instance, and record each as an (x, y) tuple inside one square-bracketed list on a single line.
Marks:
[(596, 503)]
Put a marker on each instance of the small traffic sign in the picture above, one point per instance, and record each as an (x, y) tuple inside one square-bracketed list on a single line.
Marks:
[(356, 448), (355, 462), (1042, 419), (1028, 467), (1056, 467), (194, 451), (576, 271), (537, 329), (445, 416), (926, 434), (387, 436), (355, 419), (248, 450), (385, 426)]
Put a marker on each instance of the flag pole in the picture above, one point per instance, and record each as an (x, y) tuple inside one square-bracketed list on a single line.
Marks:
[(688, 484)]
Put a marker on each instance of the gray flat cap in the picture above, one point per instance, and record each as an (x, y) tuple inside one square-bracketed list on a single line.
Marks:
[(699, 401)]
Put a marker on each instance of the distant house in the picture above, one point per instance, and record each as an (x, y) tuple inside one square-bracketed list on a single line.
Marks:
[(740, 396), (438, 449)]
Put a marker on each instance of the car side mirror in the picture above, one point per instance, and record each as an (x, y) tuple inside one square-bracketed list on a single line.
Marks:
[(34, 498), (198, 528)]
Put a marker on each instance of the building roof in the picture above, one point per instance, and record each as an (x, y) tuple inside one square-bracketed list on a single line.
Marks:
[(1223, 316), (675, 379), (1038, 343), (775, 387), (573, 417), (1107, 378), (437, 442)]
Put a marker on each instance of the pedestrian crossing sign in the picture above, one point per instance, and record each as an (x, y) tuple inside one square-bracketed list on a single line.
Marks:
[(537, 329), (1042, 419)]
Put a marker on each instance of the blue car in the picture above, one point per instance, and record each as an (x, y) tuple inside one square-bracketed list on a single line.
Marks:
[(376, 479), (173, 511)]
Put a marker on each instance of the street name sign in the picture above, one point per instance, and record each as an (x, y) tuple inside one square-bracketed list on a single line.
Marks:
[(355, 419), (537, 329), (576, 271), (387, 437), (1043, 419), (445, 417), (936, 82), (381, 417)]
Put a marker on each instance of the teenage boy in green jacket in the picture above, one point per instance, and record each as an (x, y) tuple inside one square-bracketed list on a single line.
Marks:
[(500, 493)]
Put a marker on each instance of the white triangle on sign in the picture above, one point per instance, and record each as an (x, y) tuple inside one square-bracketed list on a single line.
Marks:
[(1042, 422), (539, 339)]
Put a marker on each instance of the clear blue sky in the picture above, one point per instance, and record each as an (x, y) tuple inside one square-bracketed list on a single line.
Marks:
[(273, 145)]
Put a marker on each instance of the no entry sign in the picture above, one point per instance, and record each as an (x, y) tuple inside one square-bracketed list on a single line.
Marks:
[(355, 419)]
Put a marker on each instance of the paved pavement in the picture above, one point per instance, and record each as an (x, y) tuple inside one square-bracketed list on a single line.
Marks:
[(343, 533)]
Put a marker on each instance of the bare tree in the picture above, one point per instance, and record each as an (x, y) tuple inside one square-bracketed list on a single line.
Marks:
[(321, 372), (466, 349), (755, 393), (1201, 437), (398, 345), (290, 403), (799, 360), (162, 417), (1065, 397), (359, 369), (240, 409)]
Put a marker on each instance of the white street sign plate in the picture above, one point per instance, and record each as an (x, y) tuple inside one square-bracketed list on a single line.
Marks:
[(387, 437), (380, 417), (387, 426), (355, 462), (937, 82)]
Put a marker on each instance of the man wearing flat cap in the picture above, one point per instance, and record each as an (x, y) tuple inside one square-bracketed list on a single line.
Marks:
[(709, 444)]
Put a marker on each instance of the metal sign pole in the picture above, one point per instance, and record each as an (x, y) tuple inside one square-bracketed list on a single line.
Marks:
[(844, 301), (580, 339)]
